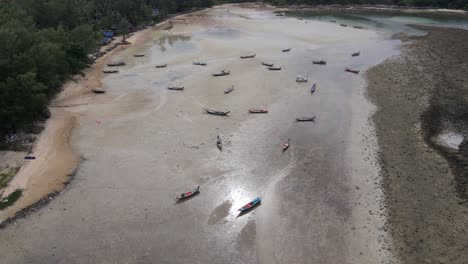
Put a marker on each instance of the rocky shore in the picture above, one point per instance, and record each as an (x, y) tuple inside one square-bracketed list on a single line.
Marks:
[(420, 95)]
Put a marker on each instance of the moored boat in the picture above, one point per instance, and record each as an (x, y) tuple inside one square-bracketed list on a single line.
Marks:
[(306, 119), (217, 112), (221, 73), (286, 145), (138, 55), (248, 56), (301, 78), (343, 25), (356, 54), (351, 70), (274, 68), (313, 88), (110, 71), (258, 111), (359, 27), (176, 88), (286, 50), (99, 91), (199, 63), (228, 90), (115, 64), (267, 64), (188, 194), (161, 66), (319, 62), (250, 204)]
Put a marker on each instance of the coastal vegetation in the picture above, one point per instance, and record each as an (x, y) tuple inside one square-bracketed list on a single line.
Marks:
[(10, 199)]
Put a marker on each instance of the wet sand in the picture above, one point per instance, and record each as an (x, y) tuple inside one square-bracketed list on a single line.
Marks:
[(421, 94), (140, 145)]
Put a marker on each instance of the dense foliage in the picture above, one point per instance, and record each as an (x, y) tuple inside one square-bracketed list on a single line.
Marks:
[(44, 42)]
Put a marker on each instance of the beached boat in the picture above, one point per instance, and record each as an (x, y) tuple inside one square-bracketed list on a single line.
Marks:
[(274, 68), (343, 25), (99, 91), (351, 70), (267, 64), (248, 56), (319, 62), (188, 194), (228, 90), (313, 88), (138, 55), (199, 63), (219, 143), (176, 88), (356, 54), (286, 50), (115, 64), (110, 71), (222, 73), (161, 66), (306, 119), (258, 111), (301, 78), (124, 42), (217, 112), (286, 145), (250, 204), (357, 27)]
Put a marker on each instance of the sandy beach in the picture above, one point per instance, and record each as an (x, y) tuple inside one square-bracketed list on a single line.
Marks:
[(134, 148)]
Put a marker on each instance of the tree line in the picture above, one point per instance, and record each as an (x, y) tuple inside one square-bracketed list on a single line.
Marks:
[(44, 42)]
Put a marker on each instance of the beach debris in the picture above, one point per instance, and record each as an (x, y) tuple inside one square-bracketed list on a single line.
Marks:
[(98, 121)]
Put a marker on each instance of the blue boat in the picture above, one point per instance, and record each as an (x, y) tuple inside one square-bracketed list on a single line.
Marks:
[(250, 204)]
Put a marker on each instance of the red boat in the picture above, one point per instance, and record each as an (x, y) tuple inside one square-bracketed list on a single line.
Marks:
[(258, 111), (186, 195), (286, 145), (351, 70), (251, 204)]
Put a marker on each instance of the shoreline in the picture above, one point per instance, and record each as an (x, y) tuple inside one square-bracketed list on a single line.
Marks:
[(420, 184), (371, 7)]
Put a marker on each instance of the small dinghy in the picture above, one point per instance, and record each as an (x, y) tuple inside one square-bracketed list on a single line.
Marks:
[(175, 88), (286, 145), (110, 71), (301, 78), (138, 55), (219, 143), (258, 111), (306, 119), (161, 66), (248, 56), (199, 63), (251, 204), (356, 54), (228, 90), (216, 112), (115, 64), (320, 62), (351, 70), (221, 73), (286, 50), (267, 64), (313, 88), (99, 91), (188, 194), (274, 68)]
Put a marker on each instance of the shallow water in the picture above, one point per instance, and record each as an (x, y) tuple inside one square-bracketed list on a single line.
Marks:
[(153, 144)]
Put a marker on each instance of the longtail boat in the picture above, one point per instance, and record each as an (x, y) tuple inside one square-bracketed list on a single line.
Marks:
[(251, 204), (306, 119), (274, 68), (110, 71), (343, 25), (248, 56), (286, 50), (99, 91), (351, 70), (221, 73), (301, 78), (258, 111), (357, 27), (356, 54), (175, 88), (216, 112), (286, 145), (228, 90), (320, 62), (188, 194), (161, 66), (267, 64), (115, 64), (313, 88), (199, 63), (138, 55)]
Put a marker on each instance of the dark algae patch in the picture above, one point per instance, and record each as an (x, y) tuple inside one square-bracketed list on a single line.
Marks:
[(10, 199), (418, 95)]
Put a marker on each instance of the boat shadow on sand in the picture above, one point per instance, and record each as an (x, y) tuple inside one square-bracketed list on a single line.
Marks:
[(179, 201), (249, 210)]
